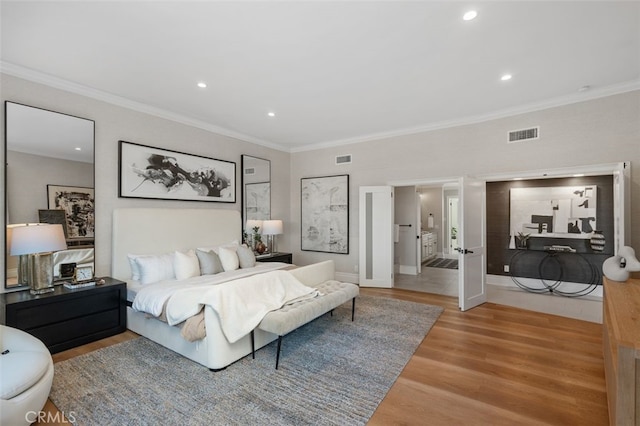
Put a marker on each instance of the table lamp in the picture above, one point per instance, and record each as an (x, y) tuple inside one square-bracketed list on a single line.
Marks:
[(272, 228), (21, 273), (38, 242)]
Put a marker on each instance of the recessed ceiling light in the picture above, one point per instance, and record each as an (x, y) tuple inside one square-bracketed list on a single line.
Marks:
[(470, 15), (518, 178), (202, 85), (271, 114), (506, 77), (578, 175), (78, 148)]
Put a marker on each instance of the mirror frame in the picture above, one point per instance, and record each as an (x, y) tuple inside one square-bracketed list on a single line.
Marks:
[(17, 286), (244, 162)]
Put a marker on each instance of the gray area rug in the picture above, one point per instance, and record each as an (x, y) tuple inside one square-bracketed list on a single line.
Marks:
[(442, 263), (332, 372)]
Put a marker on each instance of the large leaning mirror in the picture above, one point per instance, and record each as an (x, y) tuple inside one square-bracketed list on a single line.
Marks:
[(256, 189), (49, 178)]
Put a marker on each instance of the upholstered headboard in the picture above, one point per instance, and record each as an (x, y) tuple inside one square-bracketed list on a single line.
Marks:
[(157, 231)]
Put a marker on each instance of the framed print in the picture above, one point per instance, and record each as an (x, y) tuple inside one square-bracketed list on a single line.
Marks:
[(558, 212), (325, 214), (148, 172), (79, 206), (258, 200)]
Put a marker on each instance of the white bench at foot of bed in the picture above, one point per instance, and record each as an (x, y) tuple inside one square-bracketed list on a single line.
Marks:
[(290, 317)]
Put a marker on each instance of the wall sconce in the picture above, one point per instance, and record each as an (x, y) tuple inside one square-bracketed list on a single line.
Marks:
[(38, 242), (272, 228)]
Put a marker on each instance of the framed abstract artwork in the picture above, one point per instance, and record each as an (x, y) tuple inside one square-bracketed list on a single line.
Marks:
[(325, 214), (558, 212), (148, 172), (258, 200), (79, 207)]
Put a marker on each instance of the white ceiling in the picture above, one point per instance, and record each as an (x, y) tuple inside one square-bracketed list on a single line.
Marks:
[(333, 72)]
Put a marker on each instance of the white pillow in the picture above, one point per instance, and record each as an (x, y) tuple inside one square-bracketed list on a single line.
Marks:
[(186, 265), (216, 249), (229, 259), (135, 269), (155, 268)]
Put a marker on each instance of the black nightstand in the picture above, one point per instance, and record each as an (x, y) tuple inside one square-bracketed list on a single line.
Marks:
[(276, 257), (68, 318)]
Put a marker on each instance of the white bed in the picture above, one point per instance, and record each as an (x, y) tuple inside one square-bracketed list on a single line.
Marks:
[(158, 231)]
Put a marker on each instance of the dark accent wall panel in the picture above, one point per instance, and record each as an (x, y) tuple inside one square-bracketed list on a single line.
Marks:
[(574, 267)]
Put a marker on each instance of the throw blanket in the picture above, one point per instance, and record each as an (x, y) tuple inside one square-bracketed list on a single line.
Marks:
[(240, 304), (152, 298)]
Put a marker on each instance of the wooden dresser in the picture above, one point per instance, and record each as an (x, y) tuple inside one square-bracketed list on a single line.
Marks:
[(621, 341)]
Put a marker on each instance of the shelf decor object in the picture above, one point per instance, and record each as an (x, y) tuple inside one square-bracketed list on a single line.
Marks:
[(38, 242), (597, 241), (619, 267)]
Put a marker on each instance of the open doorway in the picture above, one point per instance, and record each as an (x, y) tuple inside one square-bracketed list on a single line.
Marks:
[(437, 270)]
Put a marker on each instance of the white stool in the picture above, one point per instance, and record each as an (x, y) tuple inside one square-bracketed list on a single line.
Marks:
[(26, 375)]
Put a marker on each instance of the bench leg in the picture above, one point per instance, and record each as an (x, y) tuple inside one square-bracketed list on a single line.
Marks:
[(353, 309), (331, 312), (278, 351), (253, 346)]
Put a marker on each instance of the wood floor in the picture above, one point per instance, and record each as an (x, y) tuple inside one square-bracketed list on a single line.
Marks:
[(493, 365)]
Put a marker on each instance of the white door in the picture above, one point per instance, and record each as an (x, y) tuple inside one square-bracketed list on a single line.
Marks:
[(419, 234), (472, 273), (376, 236)]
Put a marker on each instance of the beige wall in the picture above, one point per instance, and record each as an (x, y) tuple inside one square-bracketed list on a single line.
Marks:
[(605, 130), (115, 123), (29, 176)]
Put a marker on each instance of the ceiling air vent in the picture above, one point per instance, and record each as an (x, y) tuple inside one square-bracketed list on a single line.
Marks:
[(343, 159), (524, 134)]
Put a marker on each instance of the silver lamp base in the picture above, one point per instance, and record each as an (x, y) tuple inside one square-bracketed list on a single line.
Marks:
[(41, 273)]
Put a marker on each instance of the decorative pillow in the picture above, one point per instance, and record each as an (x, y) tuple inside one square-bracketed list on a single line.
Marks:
[(246, 257), (186, 265), (216, 249), (209, 262), (229, 258), (155, 268), (135, 269)]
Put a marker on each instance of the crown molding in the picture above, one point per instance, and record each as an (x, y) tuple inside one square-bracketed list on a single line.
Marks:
[(523, 109), (58, 83), (62, 84)]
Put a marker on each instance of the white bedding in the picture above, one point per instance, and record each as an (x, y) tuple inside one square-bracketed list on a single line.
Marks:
[(240, 304), (151, 298)]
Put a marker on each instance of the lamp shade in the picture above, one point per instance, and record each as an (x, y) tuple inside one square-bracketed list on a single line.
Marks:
[(272, 227), (253, 223), (39, 238)]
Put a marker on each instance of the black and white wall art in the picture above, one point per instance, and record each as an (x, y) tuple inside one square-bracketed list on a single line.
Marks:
[(258, 200), (148, 172), (325, 214), (79, 207), (560, 212)]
